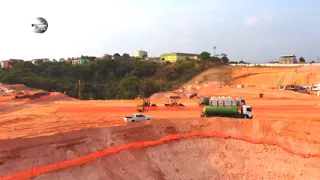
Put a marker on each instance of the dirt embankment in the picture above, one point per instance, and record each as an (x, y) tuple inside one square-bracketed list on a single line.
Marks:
[(265, 78), (213, 157)]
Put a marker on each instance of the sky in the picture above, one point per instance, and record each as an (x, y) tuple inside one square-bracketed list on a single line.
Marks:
[(249, 30)]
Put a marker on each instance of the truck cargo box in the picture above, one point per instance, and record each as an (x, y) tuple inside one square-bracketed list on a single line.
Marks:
[(210, 110)]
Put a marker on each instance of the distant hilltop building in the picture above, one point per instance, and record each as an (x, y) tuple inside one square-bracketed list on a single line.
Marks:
[(141, 54), (8, 63), (81, 60), (291, 59), (173, 57), (273, 62), (40, 60)]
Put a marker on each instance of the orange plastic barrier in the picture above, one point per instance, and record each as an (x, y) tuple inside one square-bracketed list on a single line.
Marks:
[(30, 173)]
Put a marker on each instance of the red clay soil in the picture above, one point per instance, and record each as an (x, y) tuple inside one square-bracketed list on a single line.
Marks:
[(50, 138), (27, 174), (213, 157), (290, 127)]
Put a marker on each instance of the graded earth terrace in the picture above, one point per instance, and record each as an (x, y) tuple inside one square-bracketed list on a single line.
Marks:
[(58, 137)]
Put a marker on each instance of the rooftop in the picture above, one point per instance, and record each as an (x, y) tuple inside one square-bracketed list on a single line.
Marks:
[(288, 56), (177, 54)]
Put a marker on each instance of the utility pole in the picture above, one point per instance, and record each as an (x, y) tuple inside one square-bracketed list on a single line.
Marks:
[(214, 51), (79, 90), (318, 57)]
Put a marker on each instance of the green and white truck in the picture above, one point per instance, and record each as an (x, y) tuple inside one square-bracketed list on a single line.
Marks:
[(227, 107)]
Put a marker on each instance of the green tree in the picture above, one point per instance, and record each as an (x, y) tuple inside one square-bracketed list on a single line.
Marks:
[(302, 60), (116, 56), (205, 56), (106, 78), (125, 56), (147, 87), (129, 88), (224, 58)]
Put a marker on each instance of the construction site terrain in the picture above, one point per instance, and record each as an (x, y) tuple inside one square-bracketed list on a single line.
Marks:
[(58, 137)]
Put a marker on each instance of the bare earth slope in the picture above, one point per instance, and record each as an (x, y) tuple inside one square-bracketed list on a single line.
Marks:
[(259, 76), (196, 158), (89, 140)]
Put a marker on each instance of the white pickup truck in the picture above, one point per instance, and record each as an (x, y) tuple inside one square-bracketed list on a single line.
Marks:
[(136, 118)]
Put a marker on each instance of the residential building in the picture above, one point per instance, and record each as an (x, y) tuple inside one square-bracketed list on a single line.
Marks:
[(40, 60), (8, 63), (288, 59), (78, 61), (273, 62), (62, 60), (141, 54), (106, 56), (173, 57), (157, 59), (69, 60)]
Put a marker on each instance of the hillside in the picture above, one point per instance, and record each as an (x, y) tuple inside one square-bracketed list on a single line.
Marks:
[(257, 76), (105, 79), (256, 80)]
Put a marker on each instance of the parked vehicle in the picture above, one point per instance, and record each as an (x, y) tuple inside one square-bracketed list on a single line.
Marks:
[(173, 102), (136, 118), (242, 111)]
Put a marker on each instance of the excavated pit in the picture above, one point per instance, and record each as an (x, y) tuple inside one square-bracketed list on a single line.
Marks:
[(195, 158), (148, 151)]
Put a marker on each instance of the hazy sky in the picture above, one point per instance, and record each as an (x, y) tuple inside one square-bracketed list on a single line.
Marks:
[(257, 31)]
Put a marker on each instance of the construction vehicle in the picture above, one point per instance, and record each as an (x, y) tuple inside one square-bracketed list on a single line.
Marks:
[(227, 107), (226, 101), (242, 111), (140, 108), (173, 102), (204, 101), (145, 102)]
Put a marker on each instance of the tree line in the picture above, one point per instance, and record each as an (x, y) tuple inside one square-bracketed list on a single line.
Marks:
[(120, 78)]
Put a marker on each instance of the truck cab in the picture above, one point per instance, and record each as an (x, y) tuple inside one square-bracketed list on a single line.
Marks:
[(247, 111), (241, 101)]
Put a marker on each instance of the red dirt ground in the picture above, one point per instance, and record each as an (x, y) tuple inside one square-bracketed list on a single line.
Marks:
[(50, 131)]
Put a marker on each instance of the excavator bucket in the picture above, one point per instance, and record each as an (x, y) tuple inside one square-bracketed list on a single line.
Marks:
[(140, 108)]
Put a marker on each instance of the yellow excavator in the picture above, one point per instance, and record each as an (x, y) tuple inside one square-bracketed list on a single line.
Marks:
[(173, 102), (145, 102)]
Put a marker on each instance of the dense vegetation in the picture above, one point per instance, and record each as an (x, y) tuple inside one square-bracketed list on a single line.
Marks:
[(106, 78)]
